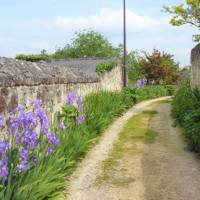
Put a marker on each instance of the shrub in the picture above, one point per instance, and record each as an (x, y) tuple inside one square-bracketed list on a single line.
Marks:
[(105, 66), (33, 58), (87, 43), (186, 110), (159, 67)]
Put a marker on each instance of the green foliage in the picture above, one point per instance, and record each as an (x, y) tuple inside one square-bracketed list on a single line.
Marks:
[(105, 66), (150, 92), (133, 61), (33, 58), (47, 181), (159, 67), (186, 110), (87, 43), (185, 14), (184, 75)]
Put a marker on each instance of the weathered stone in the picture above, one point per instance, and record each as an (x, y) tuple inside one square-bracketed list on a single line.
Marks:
[(4, 91), (2, 104), (195, 61), (16, 73), (24, 82), (12, 104)]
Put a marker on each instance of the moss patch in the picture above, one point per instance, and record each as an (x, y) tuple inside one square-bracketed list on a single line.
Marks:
[(136, 130)]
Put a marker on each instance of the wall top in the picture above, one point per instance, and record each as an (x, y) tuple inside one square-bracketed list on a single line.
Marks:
[(17, 73)]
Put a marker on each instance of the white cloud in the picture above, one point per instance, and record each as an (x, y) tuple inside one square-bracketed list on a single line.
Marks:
[(143, 32), (107, 20)]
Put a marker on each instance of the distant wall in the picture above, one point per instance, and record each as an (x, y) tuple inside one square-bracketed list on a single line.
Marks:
[(24, 82), (195, 61)]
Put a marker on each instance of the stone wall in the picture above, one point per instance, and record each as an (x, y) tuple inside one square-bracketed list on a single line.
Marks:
[(24, 82), (195, 61), (112, 81)]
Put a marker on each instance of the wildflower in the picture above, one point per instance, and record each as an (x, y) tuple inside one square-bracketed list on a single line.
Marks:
[(23, 166), (37, 104), (71, 98), (62, 125), (53, 139), (50, 151), (3, 167), (80, 119), (3, 148), (139, 83), (20, 107), (1, 122), (29, 139), (35, 159), (44, 120), (80, 103)]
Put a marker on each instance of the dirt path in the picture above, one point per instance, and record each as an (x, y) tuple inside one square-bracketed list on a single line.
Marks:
[(163, 170)]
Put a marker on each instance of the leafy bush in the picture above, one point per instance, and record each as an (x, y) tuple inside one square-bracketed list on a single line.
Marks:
[(134, 70), (105, 66), (87, 43), (159, 67), (77, 125), (33, 58), (186, 110)]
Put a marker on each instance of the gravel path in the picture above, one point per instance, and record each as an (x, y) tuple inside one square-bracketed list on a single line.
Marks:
[(162, 170), (170, 171), (82, 181)]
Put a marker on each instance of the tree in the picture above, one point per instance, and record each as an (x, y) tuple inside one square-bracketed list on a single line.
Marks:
[(88, 43), (185, 14), (159, 67), (133, 61)]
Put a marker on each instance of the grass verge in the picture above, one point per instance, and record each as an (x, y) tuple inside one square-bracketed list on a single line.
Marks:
[(136, 131)]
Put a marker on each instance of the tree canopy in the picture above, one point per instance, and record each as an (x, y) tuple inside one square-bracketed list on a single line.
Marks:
[(188, 13), (159, 67), (87, 43)]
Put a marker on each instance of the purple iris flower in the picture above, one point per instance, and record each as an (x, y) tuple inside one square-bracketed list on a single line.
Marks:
[(35, 159), (1, 122), (62, 125), (23, 166), (29, 139), (50, 151), (20, 107), (80, 119), (139, 83), (80, 103), (3, 167), (53, 139), (3, 148), (71, 98), (37, 104), (44, 120)]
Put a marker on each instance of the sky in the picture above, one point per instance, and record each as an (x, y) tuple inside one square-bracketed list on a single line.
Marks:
[(27, 26)]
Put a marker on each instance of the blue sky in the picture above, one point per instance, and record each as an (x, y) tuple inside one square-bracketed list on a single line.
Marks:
[(27, 26)]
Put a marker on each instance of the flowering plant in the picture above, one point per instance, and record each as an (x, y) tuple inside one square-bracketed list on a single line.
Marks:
[(30, 157), (72, 113), (27, 141), (141, 83)]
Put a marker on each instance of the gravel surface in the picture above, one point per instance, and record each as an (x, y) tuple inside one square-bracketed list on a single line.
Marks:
[(82, 181)]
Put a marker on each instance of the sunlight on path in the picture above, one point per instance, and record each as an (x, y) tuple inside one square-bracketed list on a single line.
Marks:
[(137, 167)]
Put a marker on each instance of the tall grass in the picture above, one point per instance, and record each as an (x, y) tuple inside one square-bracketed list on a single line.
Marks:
[(47, 181), (186, 111)]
